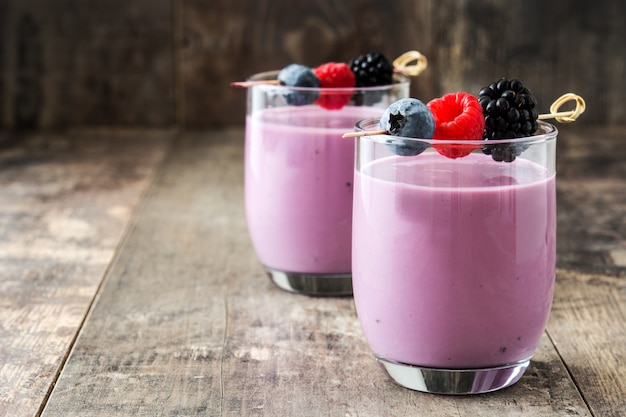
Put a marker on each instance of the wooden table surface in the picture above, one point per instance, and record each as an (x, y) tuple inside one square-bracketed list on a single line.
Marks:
[(129, 287)]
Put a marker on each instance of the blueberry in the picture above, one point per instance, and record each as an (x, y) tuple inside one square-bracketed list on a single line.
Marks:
[(409, 118), (296, 75), (406, 147)]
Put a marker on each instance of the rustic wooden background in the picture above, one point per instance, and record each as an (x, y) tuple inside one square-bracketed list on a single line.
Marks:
[(156, 63)]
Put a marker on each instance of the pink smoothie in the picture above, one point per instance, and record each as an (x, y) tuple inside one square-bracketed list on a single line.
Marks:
[(457, 276), (299, 174)]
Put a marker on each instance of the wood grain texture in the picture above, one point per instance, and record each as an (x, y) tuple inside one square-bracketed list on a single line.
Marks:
[(554, 47), (186, 323), (166, 62), (591, 198), (65, 202), (72, 63), (590, 296), (591, 309)]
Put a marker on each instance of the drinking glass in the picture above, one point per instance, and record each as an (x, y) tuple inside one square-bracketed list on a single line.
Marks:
[(454, 259), (298, 179)]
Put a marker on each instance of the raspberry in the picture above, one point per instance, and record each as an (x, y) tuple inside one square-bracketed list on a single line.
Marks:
[(458, 116), (334, 75), (371, 70)]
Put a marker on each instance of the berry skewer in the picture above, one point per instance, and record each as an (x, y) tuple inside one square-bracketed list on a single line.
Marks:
[(370, 70), (568, 116)]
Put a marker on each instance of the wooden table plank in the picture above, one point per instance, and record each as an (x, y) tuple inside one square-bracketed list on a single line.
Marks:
[(588, 327), (65, 202), (588, 318), (187, 324), (73, 63)]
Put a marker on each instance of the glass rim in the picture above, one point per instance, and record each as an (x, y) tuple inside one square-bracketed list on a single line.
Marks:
[(398, 80), (545, 132)]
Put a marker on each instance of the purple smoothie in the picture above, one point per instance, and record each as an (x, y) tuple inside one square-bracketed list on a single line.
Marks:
[(298, 191), (454, 260)]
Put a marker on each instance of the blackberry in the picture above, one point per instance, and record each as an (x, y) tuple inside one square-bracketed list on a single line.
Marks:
[(509, 110), (371, 70)]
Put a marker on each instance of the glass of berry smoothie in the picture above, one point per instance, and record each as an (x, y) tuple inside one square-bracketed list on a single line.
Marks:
[(454, 257), (299, 177)]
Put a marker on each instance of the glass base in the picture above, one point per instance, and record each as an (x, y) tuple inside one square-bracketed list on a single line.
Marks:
[(312, 284), (454, 381)]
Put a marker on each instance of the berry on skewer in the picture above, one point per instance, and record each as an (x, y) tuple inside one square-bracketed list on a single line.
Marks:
[(410, 118), (457, 116), (335, 75)]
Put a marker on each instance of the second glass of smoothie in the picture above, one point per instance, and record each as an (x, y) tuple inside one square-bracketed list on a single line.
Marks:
[(454, 259), (299, 181)]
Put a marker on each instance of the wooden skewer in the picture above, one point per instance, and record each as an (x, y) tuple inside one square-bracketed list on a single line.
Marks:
[(565, 116), (253, 83), (401, 63), (364, 133)]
